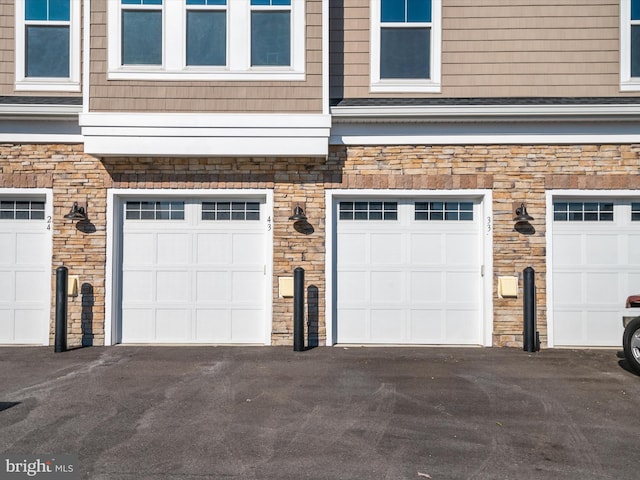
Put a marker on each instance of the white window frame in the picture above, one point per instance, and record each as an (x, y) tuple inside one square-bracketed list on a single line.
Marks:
[(238, 47), (44, 84), (431, 85), (627, 83)]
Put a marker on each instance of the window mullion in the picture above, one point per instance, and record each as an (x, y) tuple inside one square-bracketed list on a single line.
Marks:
[(239, 50), (173, 34)]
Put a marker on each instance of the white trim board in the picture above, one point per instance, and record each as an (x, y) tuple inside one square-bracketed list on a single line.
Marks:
[(202, 134), (487, 208), (115, 196)]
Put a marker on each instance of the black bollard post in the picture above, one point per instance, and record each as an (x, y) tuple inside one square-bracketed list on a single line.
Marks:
[(530, 335), (298, 309), (62, 274)]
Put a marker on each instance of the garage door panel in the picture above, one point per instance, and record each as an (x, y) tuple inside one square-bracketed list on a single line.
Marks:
[(633, 247), (7, 284), (138, 324), (353, 287), (27, 325), (141, 249), (567, 250), (604, 288), (173, 248), (172, 286), (460, 251), (427, 249), (386, 326), (245, 251), (570, 327), (213, 248), (353, 249), (462, 287), (213, 325), (7, 247), (246, 285), (354, 325), (246, 325), (386, 287), (212, 287), (461, 327), (568, 288), (138, 286), (29, 286), (29, 249), (426, 287), (384, 249), (173, 325), (427, 325), (605, 326), (601, 249), (634, 282), (6, 323)]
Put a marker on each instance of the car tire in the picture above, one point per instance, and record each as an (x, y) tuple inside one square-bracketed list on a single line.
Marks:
[(631, 344)]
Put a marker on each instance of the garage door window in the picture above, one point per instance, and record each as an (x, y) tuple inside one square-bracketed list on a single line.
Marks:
[(155, 211), (444, 211), (635, 212), (368, 210), (21, 210), (230, 211), (583, 212)]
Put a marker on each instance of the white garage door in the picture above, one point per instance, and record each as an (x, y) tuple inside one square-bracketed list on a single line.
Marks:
[(25, 266), (193, 271), (408, 272), (596, 266)]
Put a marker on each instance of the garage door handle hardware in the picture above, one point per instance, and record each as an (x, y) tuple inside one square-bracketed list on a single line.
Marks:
[(530, 336), (298, 309), (62, 277)]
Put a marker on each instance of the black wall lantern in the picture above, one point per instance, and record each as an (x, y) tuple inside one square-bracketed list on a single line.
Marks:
[(298, 214), (522, 219), (521, 214), (77, 213)]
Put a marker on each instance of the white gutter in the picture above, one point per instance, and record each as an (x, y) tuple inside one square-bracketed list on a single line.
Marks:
[(39, 110)]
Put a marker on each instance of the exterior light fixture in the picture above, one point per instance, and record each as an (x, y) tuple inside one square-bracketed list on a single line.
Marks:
[(77, 213), (298, 215), (521, 215)]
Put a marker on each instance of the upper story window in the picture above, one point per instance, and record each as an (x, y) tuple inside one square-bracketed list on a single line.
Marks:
[(405, 45), (206, 36), (141, 32), (271, 32), (629, 45), (206, 39), (48, 45)]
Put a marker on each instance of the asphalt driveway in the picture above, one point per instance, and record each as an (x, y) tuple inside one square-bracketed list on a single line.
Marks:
[(328, 413)]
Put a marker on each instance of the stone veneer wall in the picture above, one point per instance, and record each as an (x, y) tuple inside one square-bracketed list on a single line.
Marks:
[(514, 173)]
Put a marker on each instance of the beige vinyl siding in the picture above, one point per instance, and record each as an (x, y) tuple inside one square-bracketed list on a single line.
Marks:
[(232, 96), (7, 76), (495, 48)]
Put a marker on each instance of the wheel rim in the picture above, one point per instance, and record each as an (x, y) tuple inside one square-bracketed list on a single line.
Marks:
[(635, 345)]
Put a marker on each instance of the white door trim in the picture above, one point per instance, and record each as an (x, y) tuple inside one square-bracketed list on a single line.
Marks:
[(47, 193), (486, 200), (551, 195), (116, 196)]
